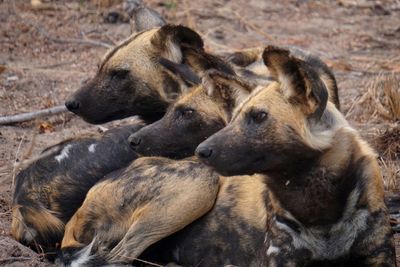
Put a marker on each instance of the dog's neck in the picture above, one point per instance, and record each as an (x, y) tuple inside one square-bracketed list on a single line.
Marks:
[(315, 192)]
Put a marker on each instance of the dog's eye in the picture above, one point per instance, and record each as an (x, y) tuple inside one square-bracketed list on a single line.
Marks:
[(258, 116), (187, 113), (119, 74)]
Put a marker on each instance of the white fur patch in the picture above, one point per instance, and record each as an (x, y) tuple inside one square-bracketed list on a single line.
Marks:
[(92, 148), (173, 52), (320, 134), (272, 250), (265, 239), (83, 255), (64, 153)]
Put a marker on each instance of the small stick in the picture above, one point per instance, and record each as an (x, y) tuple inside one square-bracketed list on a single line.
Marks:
[(252, 26), (15, 161), (32, 115), (55, 65)]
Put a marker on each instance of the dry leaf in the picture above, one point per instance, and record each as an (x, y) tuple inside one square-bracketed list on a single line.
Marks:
[(339, 65), (36, 3), (46, 127)]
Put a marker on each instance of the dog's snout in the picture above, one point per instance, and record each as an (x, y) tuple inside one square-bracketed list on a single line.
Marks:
[(204, 152), (72, 105), (134, 141)]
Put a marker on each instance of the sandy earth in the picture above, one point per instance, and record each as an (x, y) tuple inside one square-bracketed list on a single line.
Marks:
[(39, 67)]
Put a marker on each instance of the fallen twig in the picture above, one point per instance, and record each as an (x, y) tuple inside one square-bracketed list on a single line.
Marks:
[(32, 115), (224, 48), (55, 65), (15, 161), (252, 26)]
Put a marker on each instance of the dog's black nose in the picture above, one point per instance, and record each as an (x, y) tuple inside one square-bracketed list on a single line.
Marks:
[(204, 152), (134, 141), (72, 105)]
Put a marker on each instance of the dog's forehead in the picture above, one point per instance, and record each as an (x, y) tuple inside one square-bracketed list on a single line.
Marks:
[(198, 99), (261, 98), (195, 95), (136, 49)]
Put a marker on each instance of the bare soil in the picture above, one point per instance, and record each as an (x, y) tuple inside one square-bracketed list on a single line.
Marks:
[(40, 66)]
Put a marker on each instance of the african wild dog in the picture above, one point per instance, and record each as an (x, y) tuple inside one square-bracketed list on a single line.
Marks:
[(131, 81), (51, 189), (325, 192)]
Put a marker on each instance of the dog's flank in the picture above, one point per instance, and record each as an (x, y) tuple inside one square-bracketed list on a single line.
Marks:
[(128, 213), (51, 189)]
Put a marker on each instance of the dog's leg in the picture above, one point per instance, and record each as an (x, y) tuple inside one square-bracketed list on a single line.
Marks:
[(177, 205), (375, 246)]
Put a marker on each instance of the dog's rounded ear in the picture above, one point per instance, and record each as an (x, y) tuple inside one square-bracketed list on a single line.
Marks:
[(229, 88), (177, 35), (299, 81), (144, 18)]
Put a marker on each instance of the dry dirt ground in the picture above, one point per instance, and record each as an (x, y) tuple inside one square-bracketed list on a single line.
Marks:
[(40, 66)]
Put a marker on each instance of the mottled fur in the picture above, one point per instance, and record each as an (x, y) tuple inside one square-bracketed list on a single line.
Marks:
[(122, 216)]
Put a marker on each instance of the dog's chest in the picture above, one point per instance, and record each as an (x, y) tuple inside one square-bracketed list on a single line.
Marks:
[(328, 243)]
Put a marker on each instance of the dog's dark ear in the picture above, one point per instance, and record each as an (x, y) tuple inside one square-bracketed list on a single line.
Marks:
[(176, 35), (144, 18), (300, 83), (182, 70), (229, 88), (201, 61)]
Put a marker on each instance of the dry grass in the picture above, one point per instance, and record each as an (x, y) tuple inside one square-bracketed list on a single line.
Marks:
[(391, 174), (386, 92), (388, 142), (380, 106), (382, 100)]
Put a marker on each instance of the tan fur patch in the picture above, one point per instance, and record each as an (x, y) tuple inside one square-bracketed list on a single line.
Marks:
[(250, 199)]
